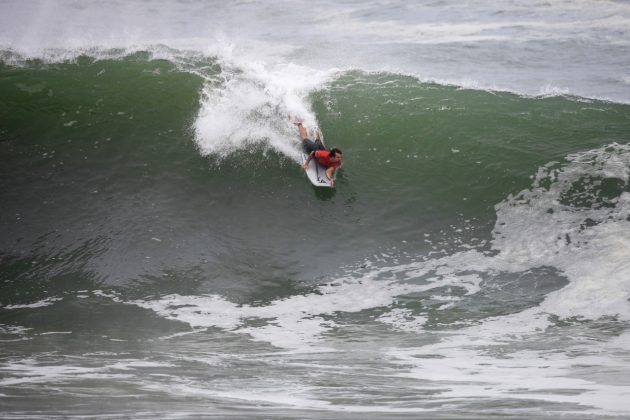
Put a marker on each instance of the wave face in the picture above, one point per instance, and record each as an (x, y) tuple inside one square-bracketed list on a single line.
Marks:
[(160, 244)]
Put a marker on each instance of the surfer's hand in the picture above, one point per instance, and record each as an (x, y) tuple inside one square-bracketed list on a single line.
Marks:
[(332, 183), (305, 166)]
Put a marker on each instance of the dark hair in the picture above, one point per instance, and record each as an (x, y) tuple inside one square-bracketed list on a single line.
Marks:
[(334, 152)]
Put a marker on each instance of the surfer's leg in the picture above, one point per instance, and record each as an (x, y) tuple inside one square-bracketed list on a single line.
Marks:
[(303, 134), (318, 141), (309, 146)]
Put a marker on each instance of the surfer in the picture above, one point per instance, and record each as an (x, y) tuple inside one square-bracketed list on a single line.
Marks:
[(330, 159)]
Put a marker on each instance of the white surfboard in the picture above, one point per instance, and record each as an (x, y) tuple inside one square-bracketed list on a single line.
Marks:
[(316, 173)]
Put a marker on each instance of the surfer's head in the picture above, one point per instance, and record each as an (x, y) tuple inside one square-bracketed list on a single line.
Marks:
[(335, 153)]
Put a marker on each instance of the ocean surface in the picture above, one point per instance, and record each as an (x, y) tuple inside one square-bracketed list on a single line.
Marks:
[(163, 255)]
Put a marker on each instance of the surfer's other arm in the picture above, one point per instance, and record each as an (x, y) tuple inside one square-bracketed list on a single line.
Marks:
[(308, 159), (330, 173)]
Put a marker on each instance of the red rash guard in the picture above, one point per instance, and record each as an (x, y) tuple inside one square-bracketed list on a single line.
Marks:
[(323, 158)]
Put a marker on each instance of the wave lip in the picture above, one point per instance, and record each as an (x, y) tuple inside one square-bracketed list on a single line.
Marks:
[(495, 44)]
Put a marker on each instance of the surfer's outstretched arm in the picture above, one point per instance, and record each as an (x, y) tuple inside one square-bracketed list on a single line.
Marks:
[(308, 159), (330, 172)]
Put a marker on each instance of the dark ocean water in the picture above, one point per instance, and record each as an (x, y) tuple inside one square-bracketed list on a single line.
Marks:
[(162, 254)]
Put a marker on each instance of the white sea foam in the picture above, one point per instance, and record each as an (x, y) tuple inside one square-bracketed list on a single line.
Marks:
[(298, 322), (579, 232), (39, 304), (30, 371), (403, 320), (12, 333), (295, 322), (463, 371), (550, 90), (13, 329)]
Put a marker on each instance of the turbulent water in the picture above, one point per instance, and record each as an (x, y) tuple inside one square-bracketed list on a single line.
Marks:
[(163, 255)]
